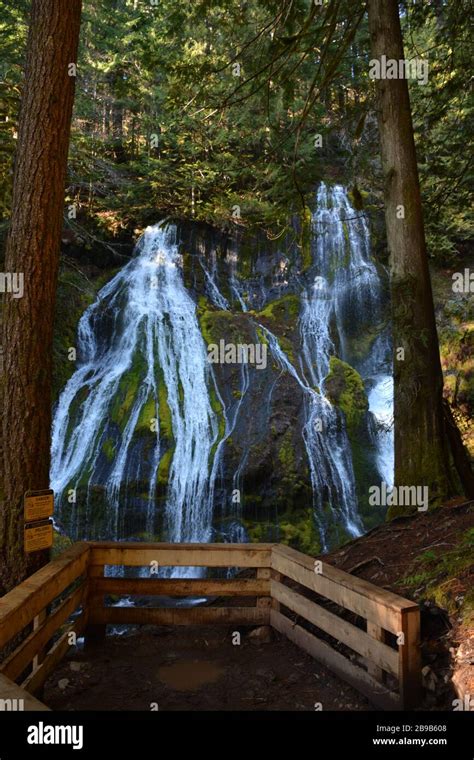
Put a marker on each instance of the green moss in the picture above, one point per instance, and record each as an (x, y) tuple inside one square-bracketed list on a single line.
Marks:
[(166, 422), (60, 544), (284, 309), (218, 410), (164, 468), (127, 391), (282, 315), (74, 295), (286, 454), (306, 236), (443, 575), (300, 532), (262, 337), (147, 414), (345, 388), (259, 532), (108, 448), (216, 325)]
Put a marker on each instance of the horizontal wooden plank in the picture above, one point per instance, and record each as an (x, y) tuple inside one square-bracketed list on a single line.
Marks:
[(37, 678), (358, 585), (23, 603), (357, 677), (339, 629), (180, 587), (137, 545), (365, 599), (181, 555), (18, 660), (13, 697), (180, 616)]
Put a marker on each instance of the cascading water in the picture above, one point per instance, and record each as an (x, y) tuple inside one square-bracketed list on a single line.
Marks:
[(144, 428), (345, 292), (151, 328), (343, 257)]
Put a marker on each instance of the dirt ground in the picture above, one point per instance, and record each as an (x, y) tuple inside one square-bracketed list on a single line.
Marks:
[(198, 668), (195, 668), (390, 553)]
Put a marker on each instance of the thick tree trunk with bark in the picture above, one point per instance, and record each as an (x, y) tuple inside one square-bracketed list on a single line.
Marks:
[(422, 454), (33, 250)]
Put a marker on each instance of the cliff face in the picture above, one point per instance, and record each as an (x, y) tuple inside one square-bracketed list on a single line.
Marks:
[(294, 439)]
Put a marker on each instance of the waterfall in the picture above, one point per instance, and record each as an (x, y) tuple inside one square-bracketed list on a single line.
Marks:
[(343, 243), (143, 324), (327, 447), (144, 430), (345, 285)]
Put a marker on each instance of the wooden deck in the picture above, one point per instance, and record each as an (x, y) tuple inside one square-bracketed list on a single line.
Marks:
[(366, 635)]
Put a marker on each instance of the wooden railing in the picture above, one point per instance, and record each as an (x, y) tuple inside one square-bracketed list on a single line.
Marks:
[(389, 645), (364, 634), (39, 613)]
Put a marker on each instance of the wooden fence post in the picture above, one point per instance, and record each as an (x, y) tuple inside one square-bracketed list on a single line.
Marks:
[(263, 573), (410, 659), (276, 576), (94, 632)]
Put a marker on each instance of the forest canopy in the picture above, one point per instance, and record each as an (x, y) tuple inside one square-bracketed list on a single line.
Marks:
[(230, 113)]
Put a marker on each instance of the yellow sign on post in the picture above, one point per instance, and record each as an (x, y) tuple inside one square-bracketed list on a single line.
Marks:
[(38, 537), (38, 505)]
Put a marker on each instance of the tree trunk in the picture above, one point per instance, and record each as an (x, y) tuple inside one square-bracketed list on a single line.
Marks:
[(33, 250), (421, 445)]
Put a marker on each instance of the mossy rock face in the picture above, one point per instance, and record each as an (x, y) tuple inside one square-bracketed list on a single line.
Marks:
[(164, 468), (345, 389), (297, 530), (283, 311), (361, 344), (216, 325), (74, 295), (108, 448), (281, 317), (300, 531)]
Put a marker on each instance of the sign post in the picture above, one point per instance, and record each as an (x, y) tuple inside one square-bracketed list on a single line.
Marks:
[(38, 508)]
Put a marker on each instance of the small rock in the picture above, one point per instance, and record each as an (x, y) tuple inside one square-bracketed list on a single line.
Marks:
[(76, 666), (63, 683), (261, 635)]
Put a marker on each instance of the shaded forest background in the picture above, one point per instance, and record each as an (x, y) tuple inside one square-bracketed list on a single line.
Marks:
[(190, 110)]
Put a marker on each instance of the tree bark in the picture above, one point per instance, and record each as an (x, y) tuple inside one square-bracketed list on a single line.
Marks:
[(421, 445), (33, 250)]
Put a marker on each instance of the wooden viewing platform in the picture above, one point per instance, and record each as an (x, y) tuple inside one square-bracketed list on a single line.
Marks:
[(321, 609)]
